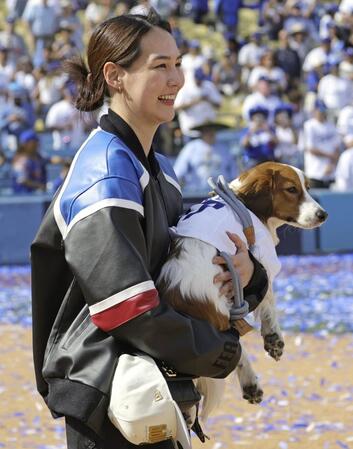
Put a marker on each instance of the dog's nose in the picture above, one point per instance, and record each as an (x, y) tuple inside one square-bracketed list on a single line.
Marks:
[(321, 214)]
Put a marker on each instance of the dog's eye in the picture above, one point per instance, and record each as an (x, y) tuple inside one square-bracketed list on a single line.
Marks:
[(292, 190)]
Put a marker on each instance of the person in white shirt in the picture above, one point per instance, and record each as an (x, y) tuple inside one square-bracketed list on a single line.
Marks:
[(334, 90), (345, 121), (321, 146), (346, 11), (250, 54), (192, 60), (346, 65), (24, 74), (48, 90), (321, 53), (262, 96), (267, 68), (197, 102), (327, 20), (65, 122), (7, 71), (344, 169), (202, 158), (286, 150)]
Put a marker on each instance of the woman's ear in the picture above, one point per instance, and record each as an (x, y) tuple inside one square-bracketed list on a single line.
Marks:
[(113, 76)]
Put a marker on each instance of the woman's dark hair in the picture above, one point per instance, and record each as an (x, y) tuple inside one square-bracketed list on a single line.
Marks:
[(117, 40)]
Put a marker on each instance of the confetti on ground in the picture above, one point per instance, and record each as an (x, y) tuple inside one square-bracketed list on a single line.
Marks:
[(314, 294), (308, 400)]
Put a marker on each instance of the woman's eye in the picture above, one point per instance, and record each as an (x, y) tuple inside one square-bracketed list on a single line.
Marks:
[(161, 66), (178, 64), (292, 190)]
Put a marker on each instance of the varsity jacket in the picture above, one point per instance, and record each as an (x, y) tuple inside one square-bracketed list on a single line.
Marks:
[(95, 260)]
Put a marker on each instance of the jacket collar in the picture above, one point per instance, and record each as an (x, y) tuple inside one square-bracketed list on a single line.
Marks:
[(114, 124)]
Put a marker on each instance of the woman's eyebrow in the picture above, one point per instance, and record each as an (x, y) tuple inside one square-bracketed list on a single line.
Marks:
[(164, 57)]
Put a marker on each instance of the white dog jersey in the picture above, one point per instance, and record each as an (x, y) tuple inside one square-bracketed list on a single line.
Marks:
[(210, 220)]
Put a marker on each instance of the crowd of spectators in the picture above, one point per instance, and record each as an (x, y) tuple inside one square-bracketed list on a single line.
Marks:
[(287, 87)]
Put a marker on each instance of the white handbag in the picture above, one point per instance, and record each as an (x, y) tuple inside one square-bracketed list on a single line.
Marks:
[(141, 405)]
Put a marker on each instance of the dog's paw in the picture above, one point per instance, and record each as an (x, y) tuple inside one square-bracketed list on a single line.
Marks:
[(274, 345), (253, 393)]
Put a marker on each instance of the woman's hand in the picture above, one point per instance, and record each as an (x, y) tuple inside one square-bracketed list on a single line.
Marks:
[(241, 262)]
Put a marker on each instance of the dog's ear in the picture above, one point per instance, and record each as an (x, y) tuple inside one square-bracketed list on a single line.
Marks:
[(255, 188)]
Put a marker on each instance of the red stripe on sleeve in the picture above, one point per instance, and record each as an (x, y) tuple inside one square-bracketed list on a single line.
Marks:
[(125, 311)]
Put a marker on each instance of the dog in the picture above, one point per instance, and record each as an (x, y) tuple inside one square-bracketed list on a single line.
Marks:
[(275, 194)]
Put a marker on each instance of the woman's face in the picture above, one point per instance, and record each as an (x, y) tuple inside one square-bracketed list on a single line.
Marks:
[(152, 82)]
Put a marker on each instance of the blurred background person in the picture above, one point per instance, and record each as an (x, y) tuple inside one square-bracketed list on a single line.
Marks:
[(250, 54), (335, 91), (196, 103), (13, 41), (345, 121), (65, 122), (320, 142), (286, 150), (226, 74), (28, 166), (287, 59), (192, 60), (344, 169), (267, 69), (259, 141), (263, 96), (202, 158)]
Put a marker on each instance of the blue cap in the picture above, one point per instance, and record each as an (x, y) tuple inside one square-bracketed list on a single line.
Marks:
[(325, 40), (17, 90), (199, 74), (194, 43), (256, 35), (259, 109), (264, 78), (28, 136), (284, 107), (53, 65), (320, 105), (348, 51), (331, 8), (11, 19)]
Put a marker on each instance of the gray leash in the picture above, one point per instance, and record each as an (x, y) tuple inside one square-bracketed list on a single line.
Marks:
[(221, 188), (241, 307)]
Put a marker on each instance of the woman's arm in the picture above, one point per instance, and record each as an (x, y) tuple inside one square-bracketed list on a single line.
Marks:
[(107, 253)]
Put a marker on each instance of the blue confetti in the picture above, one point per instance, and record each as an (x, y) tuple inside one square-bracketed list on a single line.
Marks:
[(313, 293), (341, 444)]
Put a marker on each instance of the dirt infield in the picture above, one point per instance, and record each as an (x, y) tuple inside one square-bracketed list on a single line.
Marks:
[(308, 398)]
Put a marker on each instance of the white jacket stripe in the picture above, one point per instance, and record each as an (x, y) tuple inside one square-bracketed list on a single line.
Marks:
[(121, 296)]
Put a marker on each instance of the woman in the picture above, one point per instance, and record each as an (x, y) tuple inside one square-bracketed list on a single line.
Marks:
[(105, 236)]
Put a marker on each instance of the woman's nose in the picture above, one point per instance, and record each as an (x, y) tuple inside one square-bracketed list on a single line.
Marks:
[(176, 79)]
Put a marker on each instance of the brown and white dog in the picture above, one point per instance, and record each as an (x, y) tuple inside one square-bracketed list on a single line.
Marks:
[(276, 194)]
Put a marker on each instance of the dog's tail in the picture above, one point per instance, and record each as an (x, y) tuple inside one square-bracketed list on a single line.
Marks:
[(211, 391)]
